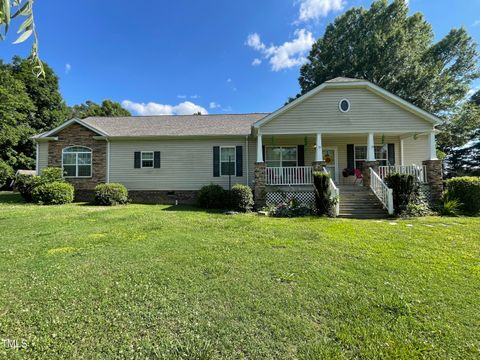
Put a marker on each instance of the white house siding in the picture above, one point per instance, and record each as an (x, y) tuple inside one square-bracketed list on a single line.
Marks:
[(186, 164), (415, 150), (42, 156), (369, 112)]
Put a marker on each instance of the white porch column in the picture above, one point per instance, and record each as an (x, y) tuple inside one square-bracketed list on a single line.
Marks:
[(259, 148), (370, 148), (432, 146), (318, 148)]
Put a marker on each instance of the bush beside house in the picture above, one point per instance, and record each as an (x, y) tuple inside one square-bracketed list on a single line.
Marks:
[(53, 193), (213, 196), (49, 188), (241, 198), (466, 191), (111, 194)]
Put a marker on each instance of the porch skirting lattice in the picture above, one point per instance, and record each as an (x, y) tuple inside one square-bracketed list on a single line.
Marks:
[(278, 197)]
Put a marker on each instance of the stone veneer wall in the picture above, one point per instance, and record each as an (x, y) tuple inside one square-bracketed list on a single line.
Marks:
[(259, 190), (435, 178), (77, 135)]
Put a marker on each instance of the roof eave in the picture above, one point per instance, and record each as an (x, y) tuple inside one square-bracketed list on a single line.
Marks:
[(68, 123)]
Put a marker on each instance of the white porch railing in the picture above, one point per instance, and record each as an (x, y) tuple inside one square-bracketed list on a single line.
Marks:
[(291, 175), (419, 172), (335, 193), (382, 191)]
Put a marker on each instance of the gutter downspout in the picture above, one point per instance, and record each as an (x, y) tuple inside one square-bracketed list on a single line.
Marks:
[(108, 161), (246, 155), (37, 148)]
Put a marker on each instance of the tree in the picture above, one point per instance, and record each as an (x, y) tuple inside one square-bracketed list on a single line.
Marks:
[(51, 109), (10, 10), (396, 52), (90, 108), (465, 160), (16, 111)]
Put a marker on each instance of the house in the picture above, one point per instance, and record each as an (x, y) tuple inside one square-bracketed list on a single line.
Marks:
[(341, 125)]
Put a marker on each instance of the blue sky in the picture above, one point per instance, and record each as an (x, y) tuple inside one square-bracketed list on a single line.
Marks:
[(182, 56)]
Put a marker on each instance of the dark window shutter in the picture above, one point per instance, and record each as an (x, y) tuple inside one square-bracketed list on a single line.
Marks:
[(391, 154), (350, 157), (239, 160), (137, 160), (156, 159), (301, 155), (216, 161), (263, 153)]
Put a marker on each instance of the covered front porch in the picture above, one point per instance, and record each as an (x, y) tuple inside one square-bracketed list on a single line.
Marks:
[(291, 159)]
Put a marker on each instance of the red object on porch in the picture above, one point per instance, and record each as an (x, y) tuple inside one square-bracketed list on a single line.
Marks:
[(358, 176)]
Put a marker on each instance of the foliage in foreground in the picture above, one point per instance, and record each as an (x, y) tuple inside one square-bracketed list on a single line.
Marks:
[(6, 173), (324, 202), (176, 282), (111, 194)]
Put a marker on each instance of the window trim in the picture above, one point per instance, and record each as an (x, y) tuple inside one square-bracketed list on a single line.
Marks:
[(281, 154), (76, 162), (355, 159), (234, 160), (340, 105), (153, 159)]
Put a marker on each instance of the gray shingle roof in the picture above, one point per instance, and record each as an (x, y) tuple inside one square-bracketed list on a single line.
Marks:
[(175, 125)]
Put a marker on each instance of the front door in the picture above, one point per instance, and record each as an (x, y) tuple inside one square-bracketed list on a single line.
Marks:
[(331, 162)]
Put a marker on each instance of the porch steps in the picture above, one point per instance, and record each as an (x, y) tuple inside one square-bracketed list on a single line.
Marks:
[(359, 202)]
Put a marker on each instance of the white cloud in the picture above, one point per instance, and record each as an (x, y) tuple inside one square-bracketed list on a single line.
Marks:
[(182, 96), (315, 9), (213, 105), (289, 54), (68, 67), (476, 23), (229, 80), (194, 96), (253, 40), (152, 108), (256, 62)]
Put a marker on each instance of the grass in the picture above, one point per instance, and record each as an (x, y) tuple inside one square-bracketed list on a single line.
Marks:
[(138, 281)]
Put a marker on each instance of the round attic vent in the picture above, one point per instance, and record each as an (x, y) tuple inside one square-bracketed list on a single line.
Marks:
[(344, 105)]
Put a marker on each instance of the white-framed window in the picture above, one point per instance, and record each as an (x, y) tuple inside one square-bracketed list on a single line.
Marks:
[(227, 160), (146, 159), (281, 156), (381, 155), (344, 105), (77, 161)]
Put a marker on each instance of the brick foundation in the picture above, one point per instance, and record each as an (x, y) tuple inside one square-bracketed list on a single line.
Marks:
[(163, 197), (259, 190), (77, 135), (146, 197), (435, 178), (366, 171)]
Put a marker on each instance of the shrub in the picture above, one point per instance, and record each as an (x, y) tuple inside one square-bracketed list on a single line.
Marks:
[(450, 208), (25, 184), (6, 172), (212, 197), (403, 186), (241, 198), (324, 204), (53, 193), (292, 208), (51, 174), (111, 194), (466, 190)]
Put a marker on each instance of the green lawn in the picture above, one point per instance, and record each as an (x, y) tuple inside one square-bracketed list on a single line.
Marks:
[(155, 281)]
